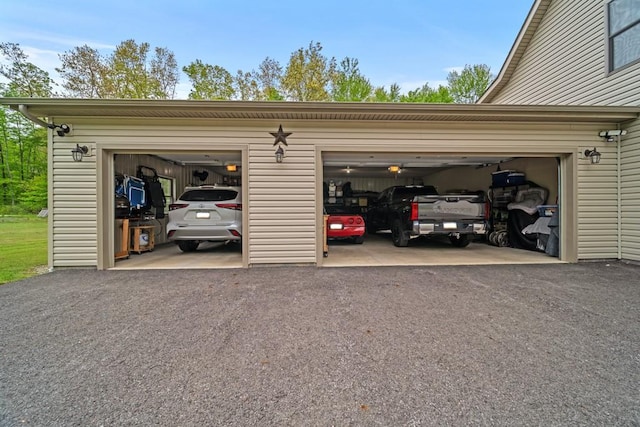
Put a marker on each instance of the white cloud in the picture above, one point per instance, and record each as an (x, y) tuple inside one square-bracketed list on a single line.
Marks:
[(182, 90), (55, 39)]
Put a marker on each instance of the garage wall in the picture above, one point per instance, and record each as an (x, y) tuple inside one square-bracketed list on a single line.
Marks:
[(72, 205), (284, 200), (367, 184), (630, 192)]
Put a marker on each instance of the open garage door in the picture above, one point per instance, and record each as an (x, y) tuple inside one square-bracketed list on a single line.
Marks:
[(177, 210), (516, 211)]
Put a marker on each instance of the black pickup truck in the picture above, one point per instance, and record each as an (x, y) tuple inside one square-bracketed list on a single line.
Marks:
[(416, 210)]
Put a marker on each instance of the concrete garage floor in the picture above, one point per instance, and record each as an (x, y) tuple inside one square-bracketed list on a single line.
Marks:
[(377, 250), (169, 256)]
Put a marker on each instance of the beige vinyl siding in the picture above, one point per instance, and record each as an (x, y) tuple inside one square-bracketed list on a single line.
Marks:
[(630, 190), (598, 217), (73, 213), (566, 63), (282, 202)]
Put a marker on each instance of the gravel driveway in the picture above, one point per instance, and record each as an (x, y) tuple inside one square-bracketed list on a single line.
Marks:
[(491, 345)]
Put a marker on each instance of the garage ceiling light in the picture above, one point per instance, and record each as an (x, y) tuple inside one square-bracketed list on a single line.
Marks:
[(394, 169), (232, 168)]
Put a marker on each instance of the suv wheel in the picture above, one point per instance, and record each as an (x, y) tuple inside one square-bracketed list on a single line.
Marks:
[(188, 245)]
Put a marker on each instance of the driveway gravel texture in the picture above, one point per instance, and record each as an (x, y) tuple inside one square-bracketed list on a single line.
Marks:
[(505, 345)]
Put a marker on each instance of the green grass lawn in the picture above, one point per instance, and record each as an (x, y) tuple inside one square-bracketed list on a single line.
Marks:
[(23, 247)]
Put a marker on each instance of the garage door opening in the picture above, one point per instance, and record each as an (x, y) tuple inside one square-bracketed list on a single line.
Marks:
[(178, 210), (516, 212)]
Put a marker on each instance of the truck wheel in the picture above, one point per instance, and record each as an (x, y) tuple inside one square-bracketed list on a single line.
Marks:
[(371, 229), (398, 235), (188, 245), (460, 241)]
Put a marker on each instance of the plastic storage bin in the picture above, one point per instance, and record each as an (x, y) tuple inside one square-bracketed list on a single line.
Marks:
[(499, 178), (547, 210), (516, 178)]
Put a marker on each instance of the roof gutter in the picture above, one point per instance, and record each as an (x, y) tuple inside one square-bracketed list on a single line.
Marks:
[(62, 129), (25, 112)]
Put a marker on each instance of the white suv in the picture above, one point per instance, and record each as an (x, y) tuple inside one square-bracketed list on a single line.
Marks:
[(205, 213)]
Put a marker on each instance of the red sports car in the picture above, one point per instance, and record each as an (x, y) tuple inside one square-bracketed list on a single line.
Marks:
[(346, 226)]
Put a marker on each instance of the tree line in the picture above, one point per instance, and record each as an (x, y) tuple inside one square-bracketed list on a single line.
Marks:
[(138, 70)]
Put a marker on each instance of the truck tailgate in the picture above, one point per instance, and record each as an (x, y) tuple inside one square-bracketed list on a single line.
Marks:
[(450, 207)]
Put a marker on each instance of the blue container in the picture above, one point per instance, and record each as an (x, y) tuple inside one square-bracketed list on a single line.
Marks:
[(135, 192), (516, 178), (499, 179), (547, 210)]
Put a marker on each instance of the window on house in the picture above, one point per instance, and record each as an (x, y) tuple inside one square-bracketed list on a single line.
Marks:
[(624, 33), (168, 188)]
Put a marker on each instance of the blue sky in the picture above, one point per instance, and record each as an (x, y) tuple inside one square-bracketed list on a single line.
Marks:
[(409, 42)]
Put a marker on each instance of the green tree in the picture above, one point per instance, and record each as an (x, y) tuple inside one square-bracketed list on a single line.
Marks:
[(85, 73), (33, 196), (25, 79), (164, 73), (349, 84), (308, 75), (427, 94), (129, 72), (246, 86), (209, 81), (468, 86), (269, 78), (22, 143), (380, 94)]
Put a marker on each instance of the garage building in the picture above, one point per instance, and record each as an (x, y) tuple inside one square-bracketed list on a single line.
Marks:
[(450, 146)]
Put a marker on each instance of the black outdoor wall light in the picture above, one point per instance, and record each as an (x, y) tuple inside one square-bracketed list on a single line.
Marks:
[(61, 130), (79, 152), (592, 155)]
